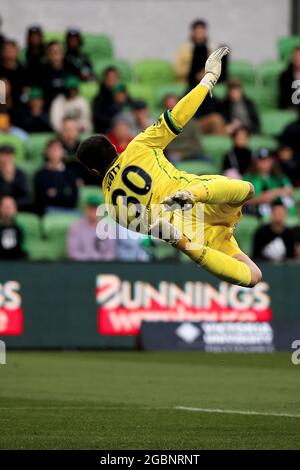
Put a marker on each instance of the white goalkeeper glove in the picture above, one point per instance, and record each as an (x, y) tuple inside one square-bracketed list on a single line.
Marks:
[(179, 200), (213, 67)]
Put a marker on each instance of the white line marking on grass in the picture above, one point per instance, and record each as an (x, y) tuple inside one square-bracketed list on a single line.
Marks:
[(237, 412)]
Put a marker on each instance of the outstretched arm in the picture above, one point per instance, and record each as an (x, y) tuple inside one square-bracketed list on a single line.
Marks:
[(188, 105), (170, 123)]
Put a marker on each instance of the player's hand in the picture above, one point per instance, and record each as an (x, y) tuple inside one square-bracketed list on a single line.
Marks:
[(213, 67), (179, 200)]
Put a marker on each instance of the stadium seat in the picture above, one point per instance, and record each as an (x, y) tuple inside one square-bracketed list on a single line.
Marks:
[(89, 90), (286, 45), (163, 251), (154, 71), (296, 195), (144, 92), (263, 97), (216, 146), (177, 89), (269, 72), (244, 71), (220, 91), (55, 229), (30, 168), (196, 167), (259, 141), (245, 231), (274, 122), (123, 67), (35, 145), (87, 191), (16, 143), (31, 227), (97, 47)]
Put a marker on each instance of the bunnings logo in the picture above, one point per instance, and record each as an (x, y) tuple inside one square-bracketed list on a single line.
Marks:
[(124, 304)]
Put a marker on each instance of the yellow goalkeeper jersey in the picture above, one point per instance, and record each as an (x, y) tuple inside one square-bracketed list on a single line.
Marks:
[(142, 175)]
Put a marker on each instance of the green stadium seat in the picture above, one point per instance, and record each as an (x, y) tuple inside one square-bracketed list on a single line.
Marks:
[(177, 89), (263, 97), (55, 229), (89, 90), (296, 195), (245, 231), (124, 68), (54, 36), (244, 71), (43, 250), (261, 141), (30, 168), (16, 143), (286, 45), (196, 167), (87, 191), (274, 122), (269, 72), (35, 145), (220, 91), (31, 227), (154, 71), (163, 251), (216, 146), (97, 46), (144, 92)]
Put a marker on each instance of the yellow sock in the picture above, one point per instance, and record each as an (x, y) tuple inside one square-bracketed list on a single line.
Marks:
[(220, 191), (221, 265)]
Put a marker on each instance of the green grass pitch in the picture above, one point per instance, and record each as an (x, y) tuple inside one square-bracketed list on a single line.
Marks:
[(128, 400)]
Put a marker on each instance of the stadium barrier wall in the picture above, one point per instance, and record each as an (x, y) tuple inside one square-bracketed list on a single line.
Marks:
[(92, 305)]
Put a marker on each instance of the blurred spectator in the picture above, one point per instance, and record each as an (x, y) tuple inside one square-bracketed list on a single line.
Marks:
[(7, 128), (55, 185), (138, 117), (133, 246), (238, 160), (286, 79), (11, 236), (54, 72), (274, 241), (269, 183), (76, 61), (69, 137), (191, 57), (13, 181), (12, 70), (238, 110), (104, 100), (33, 117), (35, 54), (290, 136), (109, 109), (289, 164), (187, 143), (120, 134), (70, 104), (83, 242)]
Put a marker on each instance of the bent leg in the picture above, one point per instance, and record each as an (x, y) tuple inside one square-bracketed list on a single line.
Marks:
[(233, 270), (256, 274), (221, 191)]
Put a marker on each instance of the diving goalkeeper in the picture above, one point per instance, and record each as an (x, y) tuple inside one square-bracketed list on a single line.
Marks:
[(142, 177)]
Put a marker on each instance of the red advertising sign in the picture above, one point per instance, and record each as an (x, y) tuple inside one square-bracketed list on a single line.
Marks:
[(123, 304), (11, 312)]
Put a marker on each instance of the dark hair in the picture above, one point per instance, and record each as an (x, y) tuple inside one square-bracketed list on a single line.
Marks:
[(240, 129), (97, 152), (53, 43), (197, 23)]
